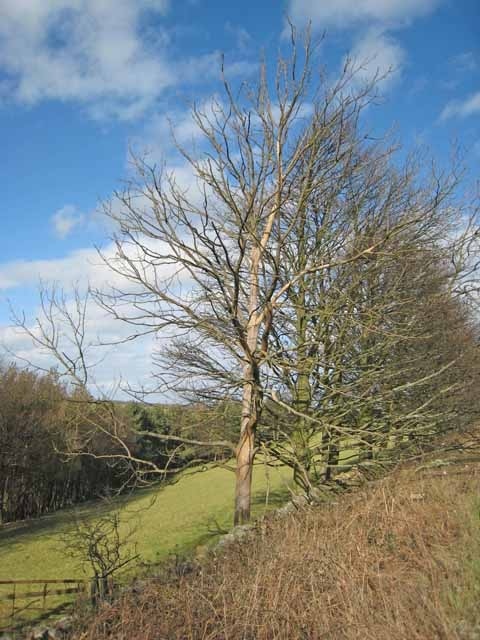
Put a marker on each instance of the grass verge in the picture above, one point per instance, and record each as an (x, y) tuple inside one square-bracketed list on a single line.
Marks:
[(166, 520), (397, 559)]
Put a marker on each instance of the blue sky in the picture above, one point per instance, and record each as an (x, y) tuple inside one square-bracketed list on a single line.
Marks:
[(80, 80)]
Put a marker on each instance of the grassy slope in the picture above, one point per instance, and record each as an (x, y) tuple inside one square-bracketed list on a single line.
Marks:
[(172, 519), (397, 559)]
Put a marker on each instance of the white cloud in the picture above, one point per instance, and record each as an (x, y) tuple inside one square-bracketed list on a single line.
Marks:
[(377, 55), (79, 266), (127, 361), (65, 220), (164, 131), (111, 55), (76, 269), (345, 13), (92, 51), (163, 128), (462, 108), (106, 339)]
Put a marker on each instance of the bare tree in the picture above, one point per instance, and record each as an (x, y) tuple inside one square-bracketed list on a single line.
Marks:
[(208, 269), (290, 198), (363, 357)]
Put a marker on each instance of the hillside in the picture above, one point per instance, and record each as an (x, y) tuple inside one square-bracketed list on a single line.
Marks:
[(166, 520), (397, 559)]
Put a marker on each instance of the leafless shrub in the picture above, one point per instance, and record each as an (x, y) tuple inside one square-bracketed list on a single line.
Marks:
[(103, 546)]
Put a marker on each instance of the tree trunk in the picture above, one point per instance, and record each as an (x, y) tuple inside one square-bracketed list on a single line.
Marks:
[(243, 486), (332, 459), (245, 452), (251, 400)]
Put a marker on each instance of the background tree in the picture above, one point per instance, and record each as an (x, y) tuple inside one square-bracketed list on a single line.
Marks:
[(371, 353), (39, 424)]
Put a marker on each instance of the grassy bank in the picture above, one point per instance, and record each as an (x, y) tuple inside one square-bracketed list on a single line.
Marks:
[(398, 559), (166, 520)]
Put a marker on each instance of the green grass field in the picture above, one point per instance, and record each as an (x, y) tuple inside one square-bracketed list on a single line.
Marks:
[(166, 520), (169, 519)]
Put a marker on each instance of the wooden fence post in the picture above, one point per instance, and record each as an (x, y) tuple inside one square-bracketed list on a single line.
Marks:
[(13, 602)]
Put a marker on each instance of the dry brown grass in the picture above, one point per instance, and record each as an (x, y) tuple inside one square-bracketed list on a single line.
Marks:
[(388, 562)]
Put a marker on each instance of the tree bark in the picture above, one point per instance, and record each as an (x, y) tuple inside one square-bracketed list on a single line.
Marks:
[(243, 485), (250, 403), (245, 451)]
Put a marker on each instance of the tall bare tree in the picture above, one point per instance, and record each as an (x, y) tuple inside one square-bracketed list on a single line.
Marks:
[(289, 196), (209, 269)]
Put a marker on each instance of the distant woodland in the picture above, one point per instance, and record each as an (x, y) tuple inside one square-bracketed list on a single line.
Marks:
[(42, 425)]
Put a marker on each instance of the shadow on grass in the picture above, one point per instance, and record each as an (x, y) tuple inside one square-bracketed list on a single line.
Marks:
[(13, 534), (212, 529), (276, 498), (61, 520), (20, 623)]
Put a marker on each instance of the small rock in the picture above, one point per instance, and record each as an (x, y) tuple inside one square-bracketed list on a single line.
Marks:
[(41, 634), (226, 540), (300, 501), (243, 530), (285, 510), (353, 478)]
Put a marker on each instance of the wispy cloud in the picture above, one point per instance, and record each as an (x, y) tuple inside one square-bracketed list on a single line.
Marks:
[(462, 108), (377, 56), (242, 38), (85, 50), (463, 62), (377, 53), (345, 13), (65, 220), (208, 67)]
